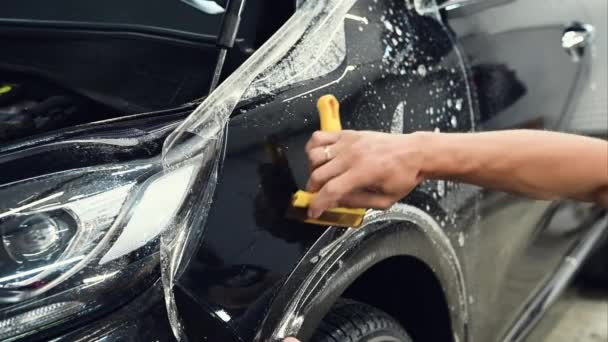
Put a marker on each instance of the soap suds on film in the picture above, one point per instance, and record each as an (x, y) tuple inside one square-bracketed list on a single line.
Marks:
[(461, 239), (397, 122), (310, 44), (291, 323)]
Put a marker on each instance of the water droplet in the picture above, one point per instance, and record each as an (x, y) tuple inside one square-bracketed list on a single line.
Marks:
[(397, 122), (422, 70), (388, 25), (361, 28), (437, 130), (459, 104), (449, 103), (441, 188), (454, 121), (461, 239)]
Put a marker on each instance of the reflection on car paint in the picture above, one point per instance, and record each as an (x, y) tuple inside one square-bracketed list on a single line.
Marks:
[(401, 74), (331, 255), (207, 6), (307, 32), (396, 68)]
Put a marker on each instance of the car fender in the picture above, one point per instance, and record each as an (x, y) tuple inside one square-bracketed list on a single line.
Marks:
[(330, 267)]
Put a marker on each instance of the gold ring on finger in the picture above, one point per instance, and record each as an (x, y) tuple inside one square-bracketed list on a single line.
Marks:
[(327, 153)]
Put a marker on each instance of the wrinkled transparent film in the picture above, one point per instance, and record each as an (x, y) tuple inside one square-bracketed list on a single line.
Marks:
[(70, 237), (421, 65), (295, 53), (315, 42)]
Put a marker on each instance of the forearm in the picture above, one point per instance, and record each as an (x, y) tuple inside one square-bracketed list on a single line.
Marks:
[(538, 164)]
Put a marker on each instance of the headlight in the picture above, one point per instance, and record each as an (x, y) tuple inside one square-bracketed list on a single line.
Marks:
[(69, 238)]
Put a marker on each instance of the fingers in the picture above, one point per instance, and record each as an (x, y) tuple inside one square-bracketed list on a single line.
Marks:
[(327, 171), (333, 193), (320, 138), (291, 339), (318, 157), (365, 199)]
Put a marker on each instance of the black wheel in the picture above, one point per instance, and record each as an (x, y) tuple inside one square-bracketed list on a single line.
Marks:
[(350, 321)]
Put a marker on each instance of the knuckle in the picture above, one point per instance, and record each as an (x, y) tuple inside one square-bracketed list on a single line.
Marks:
[(316, 136)]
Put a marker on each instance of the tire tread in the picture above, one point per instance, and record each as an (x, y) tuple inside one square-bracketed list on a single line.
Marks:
[(351, 321)]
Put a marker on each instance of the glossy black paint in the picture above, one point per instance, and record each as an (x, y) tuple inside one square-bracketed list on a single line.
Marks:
[(247, 252), (252, 263)]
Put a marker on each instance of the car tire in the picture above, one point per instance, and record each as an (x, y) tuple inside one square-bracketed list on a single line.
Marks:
[(351, 321)]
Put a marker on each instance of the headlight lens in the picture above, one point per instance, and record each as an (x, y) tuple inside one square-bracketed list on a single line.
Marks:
[(81, 229)]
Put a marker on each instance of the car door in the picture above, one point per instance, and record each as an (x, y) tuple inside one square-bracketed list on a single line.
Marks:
[(524, 79)]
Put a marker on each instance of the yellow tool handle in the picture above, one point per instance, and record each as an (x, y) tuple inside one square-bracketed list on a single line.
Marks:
[(329, 113), (341, 217)]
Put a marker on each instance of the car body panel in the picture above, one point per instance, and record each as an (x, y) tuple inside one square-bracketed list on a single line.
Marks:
[(256, 275), (523, 37), (248, 250)]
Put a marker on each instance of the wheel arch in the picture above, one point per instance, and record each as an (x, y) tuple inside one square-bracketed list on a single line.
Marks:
[(342, 260), (421, 307)]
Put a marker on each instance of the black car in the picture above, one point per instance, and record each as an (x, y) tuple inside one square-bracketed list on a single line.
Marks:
[(142, 201)]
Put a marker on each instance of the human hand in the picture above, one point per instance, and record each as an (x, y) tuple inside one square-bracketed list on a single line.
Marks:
[(291, 339), (362, 169)]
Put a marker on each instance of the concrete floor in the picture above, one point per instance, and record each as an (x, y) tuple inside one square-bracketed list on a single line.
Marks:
[(581, 315)]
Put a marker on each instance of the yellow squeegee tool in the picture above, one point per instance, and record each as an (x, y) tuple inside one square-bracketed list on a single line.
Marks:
[(329, 112)]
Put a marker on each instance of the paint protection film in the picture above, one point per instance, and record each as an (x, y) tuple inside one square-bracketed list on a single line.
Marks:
[(411, 77), (69, 238), (284, 59)]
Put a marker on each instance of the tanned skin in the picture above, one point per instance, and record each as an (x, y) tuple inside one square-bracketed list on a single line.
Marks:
[(375, 170)]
